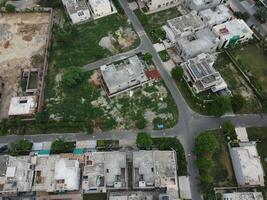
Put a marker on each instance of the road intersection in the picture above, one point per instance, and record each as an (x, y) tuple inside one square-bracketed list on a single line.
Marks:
[(189, 123)]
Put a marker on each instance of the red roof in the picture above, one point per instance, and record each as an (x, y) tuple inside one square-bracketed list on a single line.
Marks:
[(153, 74)]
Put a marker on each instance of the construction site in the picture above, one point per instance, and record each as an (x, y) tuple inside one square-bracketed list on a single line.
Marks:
[(24, 39)]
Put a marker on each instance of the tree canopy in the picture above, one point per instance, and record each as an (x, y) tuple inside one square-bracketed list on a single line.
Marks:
[(21, 147), (206, 143), (72, 77), (220, 105), (144, 140), (59, 146), (177, 73)]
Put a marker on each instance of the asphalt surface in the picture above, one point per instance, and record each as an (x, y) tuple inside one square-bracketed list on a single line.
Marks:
[(189, 125)]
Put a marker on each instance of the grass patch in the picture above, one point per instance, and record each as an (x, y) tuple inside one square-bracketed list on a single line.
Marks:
[(217, 171), (152, 23), (237, 84), (254, 63), (99, 196)]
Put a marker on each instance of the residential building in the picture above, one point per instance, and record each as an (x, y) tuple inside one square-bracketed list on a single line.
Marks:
[(247, 165), (233, 32), (202, 41), (199, 5), (156, 169), (100, 7), (216, 16), (16, 175), (124, 76), (183, 26), (104, 171), (23, 106), (78, 10), (243, 196), (154, 5), (184, 187), (200, 73)]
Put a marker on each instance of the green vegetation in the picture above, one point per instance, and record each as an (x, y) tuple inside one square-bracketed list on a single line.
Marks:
[(244, 100), (164, 55), (72, 77), (144, 141), (242, 15), (213, 161), (220, 105), (60, 146), (105, 145), (51, 3), (98, 196), (148, 58), (153, 22), (253, 61), (168, 143), (229, 130), (177, 73), (10, 8), (21, 147)]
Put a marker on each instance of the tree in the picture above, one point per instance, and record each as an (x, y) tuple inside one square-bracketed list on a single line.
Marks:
[(206, 179), (220, 105), (72, 77), (206, 142), (59, 146), (21, 147), (144, 140), (203, 164), (242, 15), (177, 73), (228, 127), (238, 102), (51, 3), (261, 14), (41, 117), (148, 58), (141, 123), (10, 8)]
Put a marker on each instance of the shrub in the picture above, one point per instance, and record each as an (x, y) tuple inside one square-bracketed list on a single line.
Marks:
[(10, 8), (144, 140), (206, 142), (177, 73), (21, 147)]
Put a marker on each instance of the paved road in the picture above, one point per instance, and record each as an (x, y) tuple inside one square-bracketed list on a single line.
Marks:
[(189, 123)]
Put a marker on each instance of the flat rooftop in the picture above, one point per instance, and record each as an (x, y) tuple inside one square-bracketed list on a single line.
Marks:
[(247, 164), (124, 75), (104, 170), (73, 6), (232, 28), (25, 105), (201, 42), (215, 16), (183, 23), (155, 169), (243, 196), (201, 69)]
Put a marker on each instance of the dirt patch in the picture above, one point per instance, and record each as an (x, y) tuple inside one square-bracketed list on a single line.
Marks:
[(22, 40), (94, 79), (122, 39)]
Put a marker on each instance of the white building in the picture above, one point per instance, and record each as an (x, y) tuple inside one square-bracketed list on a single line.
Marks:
[(23, 106), (100, 7), (104, 171), (202, 41), (247, 165), (154, 5), (16, 175), (78, 10), (243, 196), (233, 32), (241, 133), (67, 175), (199, 71), (124, 76), (218, 15), (183, 26), (202, 4)]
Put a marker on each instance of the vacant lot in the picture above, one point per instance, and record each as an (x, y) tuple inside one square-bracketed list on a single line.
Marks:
[(153, 22), (237, 84), (23, 36), (254, 62)]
